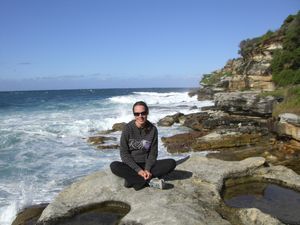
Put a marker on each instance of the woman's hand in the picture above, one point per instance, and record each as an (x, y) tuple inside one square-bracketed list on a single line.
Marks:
[(142, 173), (145, 174), (148, 175)]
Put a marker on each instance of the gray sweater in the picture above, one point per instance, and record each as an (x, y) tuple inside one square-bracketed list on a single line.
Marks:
[(139, 145)]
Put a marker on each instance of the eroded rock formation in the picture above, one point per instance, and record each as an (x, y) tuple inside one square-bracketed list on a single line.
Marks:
[(193, 197)]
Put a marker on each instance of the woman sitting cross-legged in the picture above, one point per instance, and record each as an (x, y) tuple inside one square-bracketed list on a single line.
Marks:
[(138, 151)]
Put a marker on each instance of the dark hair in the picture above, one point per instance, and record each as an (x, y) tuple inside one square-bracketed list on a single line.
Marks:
[(140, 103)]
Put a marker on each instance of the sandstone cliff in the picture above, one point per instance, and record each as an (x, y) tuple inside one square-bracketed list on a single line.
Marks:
[(252, 71)]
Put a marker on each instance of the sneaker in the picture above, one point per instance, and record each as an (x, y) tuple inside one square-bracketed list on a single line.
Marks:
[(157, 183)]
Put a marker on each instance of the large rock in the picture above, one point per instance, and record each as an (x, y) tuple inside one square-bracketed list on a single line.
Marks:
[(217, 131), (245, 103), (193, 199), (215, 141), (101, 142), (194, 120), (220, 140), (118, 126), (181, 142), (207, 92), (170, 120), (288, 125)]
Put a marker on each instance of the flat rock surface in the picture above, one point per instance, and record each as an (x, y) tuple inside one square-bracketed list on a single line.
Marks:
[(192, 196)]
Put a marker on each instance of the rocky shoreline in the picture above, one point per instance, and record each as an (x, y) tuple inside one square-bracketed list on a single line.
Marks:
[(193, 197), (236, 137), (243, 137)]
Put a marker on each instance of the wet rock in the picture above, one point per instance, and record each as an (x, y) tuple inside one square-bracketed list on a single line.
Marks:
[(205, 93), (170, 120), (107, 142), (180, 143), (275, 152), (193, 107), (215, 141), (118, 126), (95, 140), (101, 142), (166, 121), (194, 120), (112, 146), (219, 139), (207, 108), (270, 198), (29, 215)]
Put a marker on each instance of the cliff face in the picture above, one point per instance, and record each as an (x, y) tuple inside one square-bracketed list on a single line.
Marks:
[(251, 72)]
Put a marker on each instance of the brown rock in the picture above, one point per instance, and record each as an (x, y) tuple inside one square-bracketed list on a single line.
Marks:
[(118, 126), (215, 141), (100, 139), (29, 215), (194, 120), (289, 125), (181, 142), (113, 146), (170, 120)]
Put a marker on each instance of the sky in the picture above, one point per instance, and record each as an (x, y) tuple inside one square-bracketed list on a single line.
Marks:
[(78, 44)]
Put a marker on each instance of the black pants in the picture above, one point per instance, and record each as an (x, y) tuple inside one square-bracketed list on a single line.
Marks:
[(132, 179)]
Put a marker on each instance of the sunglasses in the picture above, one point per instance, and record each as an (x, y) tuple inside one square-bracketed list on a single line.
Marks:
[(140, 113)]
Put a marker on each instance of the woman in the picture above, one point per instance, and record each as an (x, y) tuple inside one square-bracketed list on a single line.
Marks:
[(138, 151)]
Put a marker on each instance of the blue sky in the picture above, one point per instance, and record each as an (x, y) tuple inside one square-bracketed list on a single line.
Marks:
[(70, 44)]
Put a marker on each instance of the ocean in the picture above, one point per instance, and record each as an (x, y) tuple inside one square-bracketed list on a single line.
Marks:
[(43, 137)]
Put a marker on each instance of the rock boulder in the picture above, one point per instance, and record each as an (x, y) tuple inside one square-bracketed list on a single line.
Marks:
[(248, 103)]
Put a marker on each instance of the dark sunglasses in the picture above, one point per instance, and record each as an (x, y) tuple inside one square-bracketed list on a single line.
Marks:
[(140, 113)]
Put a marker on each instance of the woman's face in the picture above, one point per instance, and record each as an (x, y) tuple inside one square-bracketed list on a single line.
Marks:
[(140, 115)]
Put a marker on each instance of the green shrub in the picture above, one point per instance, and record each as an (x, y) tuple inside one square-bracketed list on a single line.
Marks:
[(249, 45), (291, 102), (291, 40), (213, 78), (267, 36), (287, 77), (286, 62), (278, 93), (289, 19)]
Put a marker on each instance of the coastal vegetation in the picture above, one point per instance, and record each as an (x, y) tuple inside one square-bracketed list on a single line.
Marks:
[(285, 64), (212, 78), (280, 50), (285, 67), (248, 46), (291, 102)]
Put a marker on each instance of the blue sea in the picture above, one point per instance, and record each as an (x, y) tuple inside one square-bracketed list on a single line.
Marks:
[(43, 137)]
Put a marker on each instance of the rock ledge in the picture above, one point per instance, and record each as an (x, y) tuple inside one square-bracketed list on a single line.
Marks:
[(192, 199)]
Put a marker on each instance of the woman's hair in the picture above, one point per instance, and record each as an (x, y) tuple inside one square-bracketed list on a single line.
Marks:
[(140, 103)]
